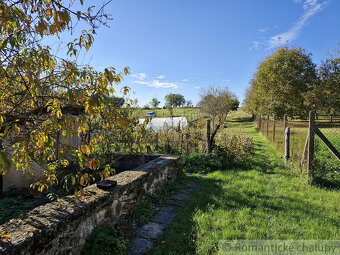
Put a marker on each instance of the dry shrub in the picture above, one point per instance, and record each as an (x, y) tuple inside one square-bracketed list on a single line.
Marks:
[(234, 147)]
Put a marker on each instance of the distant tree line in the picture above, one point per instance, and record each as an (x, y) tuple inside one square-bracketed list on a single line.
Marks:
[(171, 101), (288, 82)]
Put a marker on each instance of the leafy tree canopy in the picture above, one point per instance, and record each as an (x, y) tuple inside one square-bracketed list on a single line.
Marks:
[(325, 95), (174, 100), (154, 102), (37, 86), (217, 103), (189, 103), (281, 82)]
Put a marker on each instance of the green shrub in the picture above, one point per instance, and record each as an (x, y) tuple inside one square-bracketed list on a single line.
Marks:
[(234, 147), (203, 163), (229, 151), (104, 240), (142, 213)]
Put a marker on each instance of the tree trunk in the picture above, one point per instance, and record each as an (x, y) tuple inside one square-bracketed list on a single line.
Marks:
[(210, 137)]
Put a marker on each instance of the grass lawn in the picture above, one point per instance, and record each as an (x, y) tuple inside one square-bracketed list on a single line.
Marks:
[(261, 200)]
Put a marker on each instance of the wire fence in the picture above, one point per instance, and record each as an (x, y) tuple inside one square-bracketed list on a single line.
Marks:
[(327, 165)]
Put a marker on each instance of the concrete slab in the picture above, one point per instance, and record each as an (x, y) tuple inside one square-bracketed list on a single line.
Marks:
[(180, 196), (176, 203), (163, 217), (151, 230), (168, 209), (191, 185), (187, 190), (139, 246)]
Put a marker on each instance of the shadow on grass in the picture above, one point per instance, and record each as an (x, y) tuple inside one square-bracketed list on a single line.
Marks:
[(181, 236), (247, 119), (13, 207), (321, 182), (217, 205)]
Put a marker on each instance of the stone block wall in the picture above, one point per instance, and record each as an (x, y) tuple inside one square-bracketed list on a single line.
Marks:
[(61, 227)]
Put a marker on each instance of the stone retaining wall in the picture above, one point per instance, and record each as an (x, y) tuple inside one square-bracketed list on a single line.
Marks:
[(61, 227)]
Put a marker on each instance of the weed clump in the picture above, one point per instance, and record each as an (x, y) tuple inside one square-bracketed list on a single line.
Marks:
[(229, 151)]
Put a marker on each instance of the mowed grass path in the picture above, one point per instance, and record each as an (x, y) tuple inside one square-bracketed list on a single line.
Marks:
[(261, 200)]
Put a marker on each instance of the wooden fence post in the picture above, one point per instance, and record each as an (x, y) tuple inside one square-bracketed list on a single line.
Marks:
[(287, 144), (274, 126), (260, 121), (285, 122), (267, 124), (331, 117), (310, 143), (208, 142), (305, 152)]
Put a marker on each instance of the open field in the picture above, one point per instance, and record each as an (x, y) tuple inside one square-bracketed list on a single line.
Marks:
[(261, 200), (177, 112)]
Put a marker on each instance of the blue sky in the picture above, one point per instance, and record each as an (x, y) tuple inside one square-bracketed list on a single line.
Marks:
[(182, 46)]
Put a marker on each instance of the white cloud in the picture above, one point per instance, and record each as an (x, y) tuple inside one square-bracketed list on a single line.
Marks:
[(311, 7), (263, 30), (158, 84), (197, 87), (256, 45), (139, 76), (185, 80)]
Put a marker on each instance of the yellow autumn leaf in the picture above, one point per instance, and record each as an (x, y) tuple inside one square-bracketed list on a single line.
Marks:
[(76, 193), (85, 149), (73, 180), (92, 164), (82, 180), (101, 138), (126, 90), (48, 12), (59, 114), (5, 236)]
